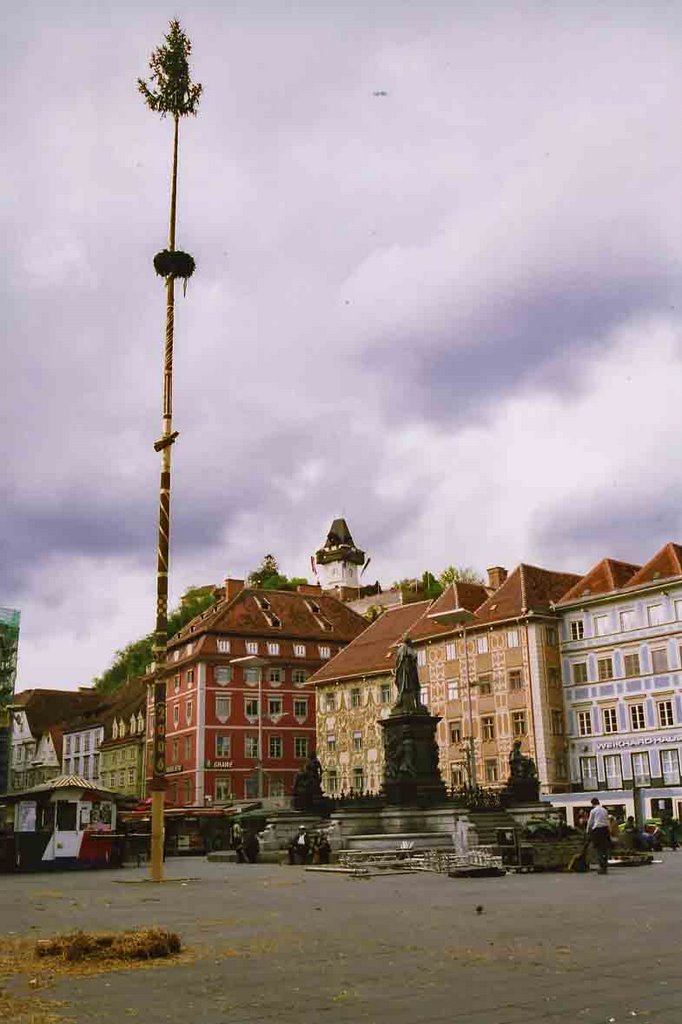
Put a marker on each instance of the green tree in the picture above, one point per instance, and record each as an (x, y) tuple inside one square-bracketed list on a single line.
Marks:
[(268, 576), (459, 574), (135, 659)]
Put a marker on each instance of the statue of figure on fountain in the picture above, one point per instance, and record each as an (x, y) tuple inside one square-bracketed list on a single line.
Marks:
[(523, 785), (407, 681)]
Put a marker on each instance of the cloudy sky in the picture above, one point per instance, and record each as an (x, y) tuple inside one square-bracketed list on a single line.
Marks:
[(450, 312)]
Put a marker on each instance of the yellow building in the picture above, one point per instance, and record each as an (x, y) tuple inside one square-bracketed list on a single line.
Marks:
[(507, 687), (122, 749)]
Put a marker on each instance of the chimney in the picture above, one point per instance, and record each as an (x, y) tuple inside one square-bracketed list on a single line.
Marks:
[(309, 589), (496, 576), (232, 588)]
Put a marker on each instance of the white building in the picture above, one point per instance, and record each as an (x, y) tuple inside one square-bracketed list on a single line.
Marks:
[(621, 644)]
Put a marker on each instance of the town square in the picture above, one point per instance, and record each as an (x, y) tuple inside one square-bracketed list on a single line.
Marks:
[(340, 543)]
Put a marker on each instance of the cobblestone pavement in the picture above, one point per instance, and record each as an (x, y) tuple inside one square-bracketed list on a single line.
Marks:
[(273, 943)]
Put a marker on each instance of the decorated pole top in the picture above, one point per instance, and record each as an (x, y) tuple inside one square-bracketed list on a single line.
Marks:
[(170, 89)]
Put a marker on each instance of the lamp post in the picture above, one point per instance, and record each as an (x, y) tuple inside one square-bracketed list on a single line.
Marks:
[(461, 617)]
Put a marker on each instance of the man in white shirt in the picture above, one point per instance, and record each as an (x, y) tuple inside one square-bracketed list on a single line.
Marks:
[(598, 834)]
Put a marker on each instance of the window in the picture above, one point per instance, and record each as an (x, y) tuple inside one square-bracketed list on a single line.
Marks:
[(299, 676), (223, 745), (301, 709), (275, 676), (224, 646), (250, 746), (561, 767), (490, 768), (176, 715), (654, 614), (604, 668), (518, 723), (357, 741), (421, 657), (133, 725), (515, 679), (77, 741), (131, 776), (637, 720), (385, 693), (670, 767), (274, 707), (453, 690), (122, 778), (331, 743), (276, 787), (273, 648), (678, 609), (325, 652), (628, 619), (252, 647), (188, 747), (223, 674), (223, 789), (512, 638), (485, 685), (330, 702), (190, 676), (176, 683), (358, 780), (641, 772), (450, 652), (299, 650), (251, 707), (456, 776), (187, 787), (251, 787), (665, 713), (67, 745), (550, 634), (188, 711), (601, 625), (577, 629), (588, 772), (300, 746), (552, 676), (609, 720), (222, 708), (86, 741), (455, 732), (613, 771), (481, 644), (332, 782), (579, 672), (175, 751), (424, 695), (631, 664), (659, 660), (67, 764), (86, 767), (275, 746), (557, 722), (584, 723), (251, 676), (355, 698), (488, 728)]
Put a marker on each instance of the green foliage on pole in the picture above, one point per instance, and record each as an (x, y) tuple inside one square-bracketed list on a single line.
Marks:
[(170, 89)]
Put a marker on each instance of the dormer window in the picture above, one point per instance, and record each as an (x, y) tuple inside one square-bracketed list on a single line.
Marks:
[(140, 722), (114, 730), (133, 725), (121, 728)]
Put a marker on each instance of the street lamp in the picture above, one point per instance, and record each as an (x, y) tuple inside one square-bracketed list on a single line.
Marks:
[(461, 617), (253, 661)]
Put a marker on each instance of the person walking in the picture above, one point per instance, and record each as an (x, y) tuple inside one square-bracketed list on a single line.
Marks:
[(597, 833)]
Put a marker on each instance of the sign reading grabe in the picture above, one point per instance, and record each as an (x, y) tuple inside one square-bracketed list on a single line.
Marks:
[(159, 730), (218, 764)]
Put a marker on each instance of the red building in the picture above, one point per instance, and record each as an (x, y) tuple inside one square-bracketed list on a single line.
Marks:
[(239, 720)]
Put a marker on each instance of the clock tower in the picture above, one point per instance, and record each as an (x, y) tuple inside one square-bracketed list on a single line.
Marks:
[(338, 559)]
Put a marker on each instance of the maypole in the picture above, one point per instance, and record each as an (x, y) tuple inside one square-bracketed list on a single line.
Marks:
[(170, 91)]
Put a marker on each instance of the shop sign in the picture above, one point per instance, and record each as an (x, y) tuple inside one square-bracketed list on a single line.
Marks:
[(218, 765), (644, 741), (172, 769)]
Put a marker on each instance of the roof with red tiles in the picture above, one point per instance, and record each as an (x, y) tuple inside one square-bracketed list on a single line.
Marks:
[(47, 708), (605, 576), (276, 614), (458, 595), (665, 564), (528, 589), (373, 651)]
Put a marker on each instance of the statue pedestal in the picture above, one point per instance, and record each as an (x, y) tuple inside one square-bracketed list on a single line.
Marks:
[(411, 774)]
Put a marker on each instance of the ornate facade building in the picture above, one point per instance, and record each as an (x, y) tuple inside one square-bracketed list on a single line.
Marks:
[(240, 721), (621, 645), (490, 667)]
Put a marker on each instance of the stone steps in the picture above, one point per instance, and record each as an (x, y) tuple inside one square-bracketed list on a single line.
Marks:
[(486, 824)]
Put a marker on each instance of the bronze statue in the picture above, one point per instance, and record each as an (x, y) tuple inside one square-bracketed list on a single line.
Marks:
[(523, 784), (407, 679)]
